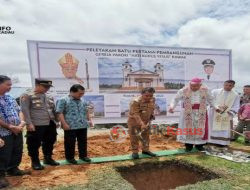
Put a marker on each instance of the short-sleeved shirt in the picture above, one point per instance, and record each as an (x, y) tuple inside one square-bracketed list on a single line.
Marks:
[(74, 111), (245, 111), (38, 108), (9, 113)]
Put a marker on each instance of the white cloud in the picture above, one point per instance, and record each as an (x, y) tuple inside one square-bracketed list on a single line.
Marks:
[(220, 33), (199, 23)]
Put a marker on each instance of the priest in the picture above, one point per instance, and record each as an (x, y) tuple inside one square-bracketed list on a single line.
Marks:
[(193, 123), (221, 123)]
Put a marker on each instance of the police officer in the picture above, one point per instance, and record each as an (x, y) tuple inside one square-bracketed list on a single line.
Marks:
[(140, 113), (39, 112)]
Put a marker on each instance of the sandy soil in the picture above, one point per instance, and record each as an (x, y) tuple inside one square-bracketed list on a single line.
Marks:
[(99, 145)]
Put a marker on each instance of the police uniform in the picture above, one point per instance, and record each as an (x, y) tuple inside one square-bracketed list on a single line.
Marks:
[(39, 110), (139, 112)]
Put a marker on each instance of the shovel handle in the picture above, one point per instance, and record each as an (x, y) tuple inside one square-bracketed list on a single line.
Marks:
[(238, 133)]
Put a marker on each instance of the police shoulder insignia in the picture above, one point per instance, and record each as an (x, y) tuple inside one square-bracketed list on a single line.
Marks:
[(24, 97)]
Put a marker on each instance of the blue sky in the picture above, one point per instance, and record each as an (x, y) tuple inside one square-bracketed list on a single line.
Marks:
[(97, 100), (104, 65), (161, 102), (172, 70), (182, 23)]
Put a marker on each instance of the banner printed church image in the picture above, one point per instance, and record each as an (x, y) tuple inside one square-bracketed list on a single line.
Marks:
[(131, 75), (142, 78)]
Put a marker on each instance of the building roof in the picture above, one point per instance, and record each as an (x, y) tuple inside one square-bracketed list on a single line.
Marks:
[(143, 71)]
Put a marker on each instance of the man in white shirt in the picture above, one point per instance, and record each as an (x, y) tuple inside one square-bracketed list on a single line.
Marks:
[(228, 101)]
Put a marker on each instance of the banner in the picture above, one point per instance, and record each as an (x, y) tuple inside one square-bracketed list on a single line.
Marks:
[(114, 74)]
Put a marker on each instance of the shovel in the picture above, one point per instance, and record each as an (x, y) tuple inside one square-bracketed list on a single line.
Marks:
[(245, 135), (139, 133)]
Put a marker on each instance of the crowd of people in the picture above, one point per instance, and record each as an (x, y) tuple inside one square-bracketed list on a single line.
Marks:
[(206, 117), (41, 116)]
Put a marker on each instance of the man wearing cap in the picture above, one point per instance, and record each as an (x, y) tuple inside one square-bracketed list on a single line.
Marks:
[(208, 67), (193, 124), (39, 112), (221, 123), (141, 112)]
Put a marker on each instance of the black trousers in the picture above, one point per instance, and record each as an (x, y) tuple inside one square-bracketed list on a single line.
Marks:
[(43, 135), (190, 146), (70, 137), (11, 152)]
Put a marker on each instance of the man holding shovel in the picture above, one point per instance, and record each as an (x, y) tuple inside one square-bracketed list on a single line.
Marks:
[(141, 113)]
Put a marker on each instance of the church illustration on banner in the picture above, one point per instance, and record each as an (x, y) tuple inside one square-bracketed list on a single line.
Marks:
[(142, 78)]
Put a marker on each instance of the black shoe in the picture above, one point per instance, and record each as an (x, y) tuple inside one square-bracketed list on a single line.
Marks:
[(3, 182), (86, 159), (189, 147), (72, 161), (221, 146), (36, 165), (149, 153), (135, 156), (247, 143), (17, 172), (49, 161), (199, 147)]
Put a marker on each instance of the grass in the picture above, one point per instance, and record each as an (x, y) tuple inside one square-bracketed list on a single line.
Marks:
[(233, 175)]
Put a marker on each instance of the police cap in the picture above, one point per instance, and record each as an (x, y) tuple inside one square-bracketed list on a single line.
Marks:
[(43, 82)]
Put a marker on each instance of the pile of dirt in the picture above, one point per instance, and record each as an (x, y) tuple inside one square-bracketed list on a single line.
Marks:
[(101, 145), (98, 146), (53, 176)]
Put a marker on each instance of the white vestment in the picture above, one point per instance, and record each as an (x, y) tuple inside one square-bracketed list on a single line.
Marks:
[(195, 99), (221, 124)]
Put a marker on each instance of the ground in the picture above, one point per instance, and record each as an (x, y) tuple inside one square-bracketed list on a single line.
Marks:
[(105, 175)]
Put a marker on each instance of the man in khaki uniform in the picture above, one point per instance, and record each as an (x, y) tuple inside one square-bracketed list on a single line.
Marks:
[(140, 113)]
